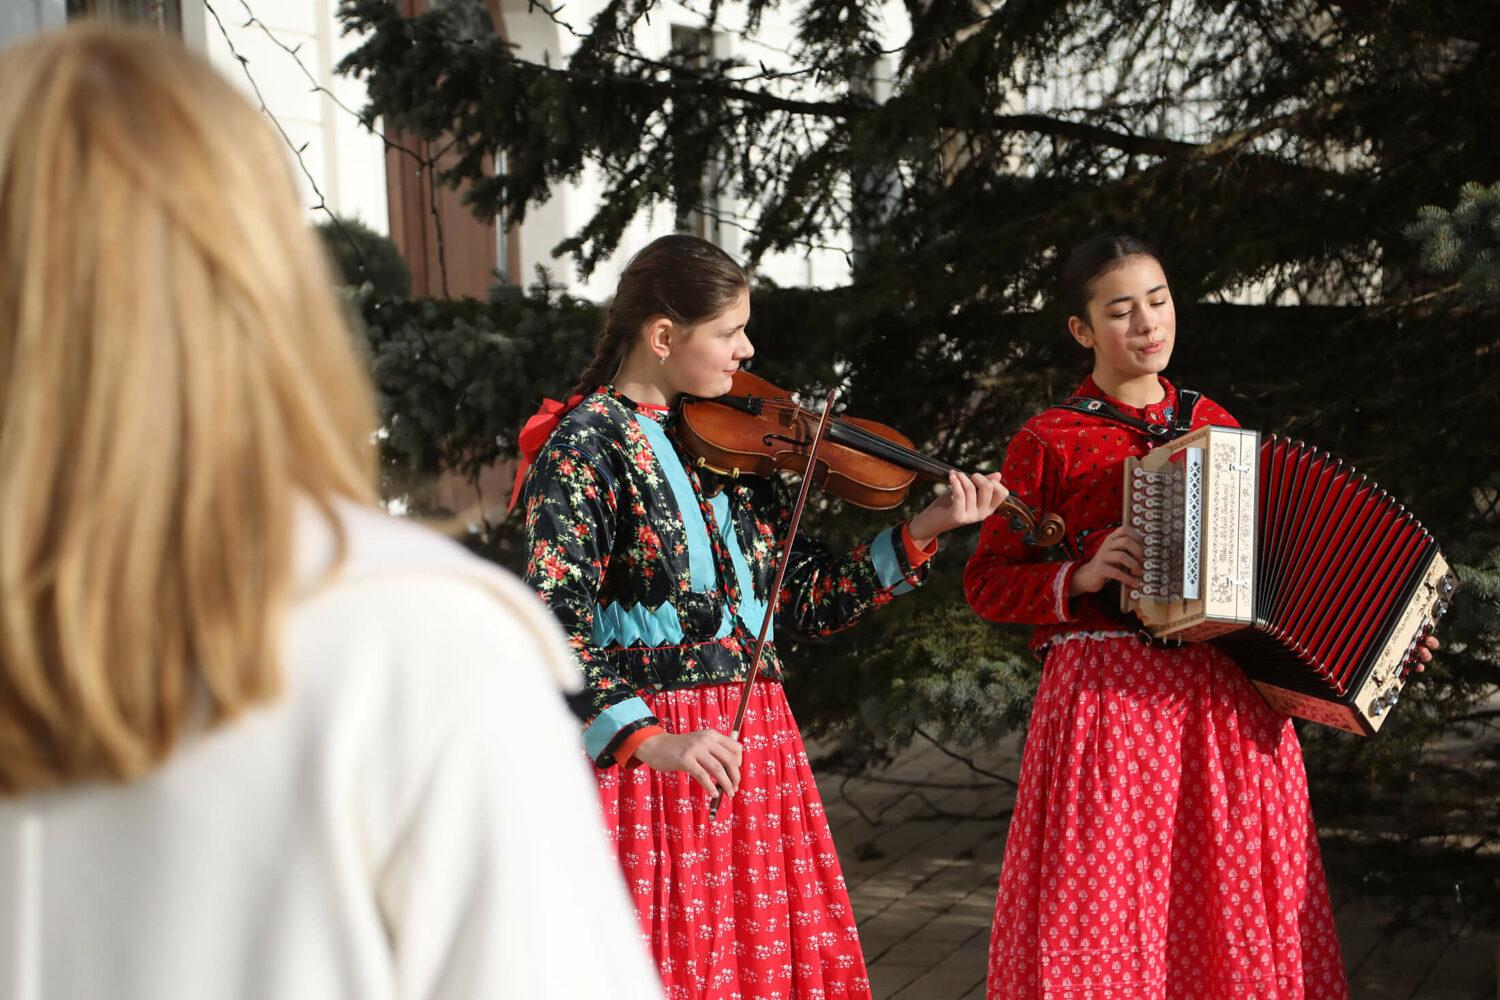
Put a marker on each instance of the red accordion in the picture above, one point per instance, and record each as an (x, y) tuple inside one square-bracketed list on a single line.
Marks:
[(1318, 583)]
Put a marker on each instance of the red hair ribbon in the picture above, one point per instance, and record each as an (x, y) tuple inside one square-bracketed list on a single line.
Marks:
[(533, 437)]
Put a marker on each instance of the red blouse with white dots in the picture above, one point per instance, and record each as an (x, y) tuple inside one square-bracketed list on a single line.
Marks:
[(1068, 463)]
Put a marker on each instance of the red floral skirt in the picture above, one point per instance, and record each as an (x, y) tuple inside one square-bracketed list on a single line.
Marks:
[(755, 905), (1162, 847)]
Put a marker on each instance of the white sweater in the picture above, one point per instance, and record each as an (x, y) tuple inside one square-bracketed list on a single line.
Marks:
[(413, 818)]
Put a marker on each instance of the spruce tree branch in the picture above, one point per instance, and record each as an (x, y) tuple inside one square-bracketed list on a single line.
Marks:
[(684, 82), (552, 14), (848, 108)]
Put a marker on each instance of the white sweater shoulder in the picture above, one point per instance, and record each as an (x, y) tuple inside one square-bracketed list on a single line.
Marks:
[(413, 818)]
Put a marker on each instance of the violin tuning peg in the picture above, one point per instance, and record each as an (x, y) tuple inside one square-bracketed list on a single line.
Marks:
[(1029, 538)]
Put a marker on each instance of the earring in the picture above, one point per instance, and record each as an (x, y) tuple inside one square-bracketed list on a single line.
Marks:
[(661, 359)]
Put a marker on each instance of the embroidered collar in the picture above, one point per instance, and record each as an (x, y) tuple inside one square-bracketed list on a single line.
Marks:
[(1159, 412), (654, 411)]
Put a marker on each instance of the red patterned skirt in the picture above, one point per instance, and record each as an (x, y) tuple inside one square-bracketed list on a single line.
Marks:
[(1162, 847), (755, 905)]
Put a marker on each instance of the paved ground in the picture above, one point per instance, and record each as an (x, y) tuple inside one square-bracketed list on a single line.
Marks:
[(922, 843)]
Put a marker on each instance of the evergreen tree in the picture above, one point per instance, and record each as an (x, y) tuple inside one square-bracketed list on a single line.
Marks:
[(362, 255), (1464, 243), (1276, 152)]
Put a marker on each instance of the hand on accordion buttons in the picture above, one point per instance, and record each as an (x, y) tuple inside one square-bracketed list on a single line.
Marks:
[(1119, 558)]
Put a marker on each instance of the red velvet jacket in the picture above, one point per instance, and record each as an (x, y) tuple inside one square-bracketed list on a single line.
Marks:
[(1067, 463)]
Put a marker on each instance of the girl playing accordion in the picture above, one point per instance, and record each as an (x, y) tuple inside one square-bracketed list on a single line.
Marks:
[(1162, 845)]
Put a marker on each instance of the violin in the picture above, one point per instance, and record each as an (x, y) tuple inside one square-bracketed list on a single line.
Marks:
[(757, 428)]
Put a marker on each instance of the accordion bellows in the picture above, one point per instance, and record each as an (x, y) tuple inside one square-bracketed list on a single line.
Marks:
[(1317, 582)]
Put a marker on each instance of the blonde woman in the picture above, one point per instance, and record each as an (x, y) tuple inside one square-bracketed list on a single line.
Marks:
[(256, 739)]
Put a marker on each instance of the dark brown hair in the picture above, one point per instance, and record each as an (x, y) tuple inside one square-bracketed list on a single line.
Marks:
[(1092, 259), (684, 278)]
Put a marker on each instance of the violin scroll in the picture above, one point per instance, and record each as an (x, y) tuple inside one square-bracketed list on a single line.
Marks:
[(1042, 533)]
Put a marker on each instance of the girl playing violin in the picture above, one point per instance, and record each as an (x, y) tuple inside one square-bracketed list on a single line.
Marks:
[(660, 575), (1162, 845)]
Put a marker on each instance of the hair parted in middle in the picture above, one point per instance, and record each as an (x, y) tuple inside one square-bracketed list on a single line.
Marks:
[(1090, 260), (684, 278)]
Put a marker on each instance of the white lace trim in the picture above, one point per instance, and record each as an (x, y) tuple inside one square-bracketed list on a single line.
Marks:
[(1059, 594), (1090, 634)]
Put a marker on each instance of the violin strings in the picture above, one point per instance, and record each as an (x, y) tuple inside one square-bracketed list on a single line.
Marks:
[(870, 441), (879, 446)]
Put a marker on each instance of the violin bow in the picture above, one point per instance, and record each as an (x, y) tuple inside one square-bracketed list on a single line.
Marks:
[(786, 557)]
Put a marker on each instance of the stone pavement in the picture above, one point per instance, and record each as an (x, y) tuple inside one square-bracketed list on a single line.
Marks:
[(921, 843)]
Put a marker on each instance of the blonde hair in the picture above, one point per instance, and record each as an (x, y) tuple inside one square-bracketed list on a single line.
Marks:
[(176, 375)]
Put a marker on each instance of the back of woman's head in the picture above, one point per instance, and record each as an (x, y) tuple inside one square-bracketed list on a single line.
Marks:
[(1091, 260), (175, 372), (684, 278)]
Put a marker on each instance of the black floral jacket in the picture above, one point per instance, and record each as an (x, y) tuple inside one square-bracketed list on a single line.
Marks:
[(661, 583)]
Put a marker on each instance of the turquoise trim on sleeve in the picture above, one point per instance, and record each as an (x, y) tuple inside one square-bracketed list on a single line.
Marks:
[(752, 611), (701, 575), (609, 722), (887, 564)]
